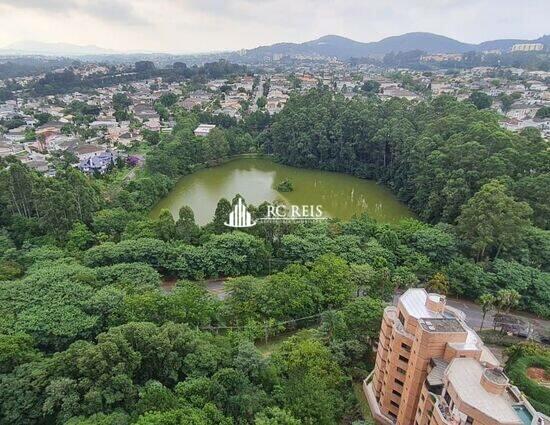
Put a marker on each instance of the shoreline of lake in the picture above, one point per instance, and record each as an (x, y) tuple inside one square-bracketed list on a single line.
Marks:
[(254, 177)]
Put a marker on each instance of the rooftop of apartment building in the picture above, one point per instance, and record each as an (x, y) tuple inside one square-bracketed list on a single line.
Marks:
[(465, 376), (414, 300), (434, 315), (444, 324)]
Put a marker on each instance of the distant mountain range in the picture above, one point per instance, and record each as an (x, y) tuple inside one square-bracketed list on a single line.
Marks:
[(344, 48), (327, 46), (52, 49)]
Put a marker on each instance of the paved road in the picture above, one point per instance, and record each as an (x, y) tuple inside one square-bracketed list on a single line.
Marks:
[(474, 316), (472, 310), (258, 94), (215, 287)]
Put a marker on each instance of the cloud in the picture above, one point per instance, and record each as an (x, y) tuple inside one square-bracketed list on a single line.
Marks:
[(116, 11), (215, 25)]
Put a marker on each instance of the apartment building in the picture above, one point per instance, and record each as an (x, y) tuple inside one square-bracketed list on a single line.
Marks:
[(431, 368)]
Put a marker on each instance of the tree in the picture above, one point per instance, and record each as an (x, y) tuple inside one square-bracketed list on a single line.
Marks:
[(362, 276), (168, 99), (438, 284), (536, 191), (362, 318), (480, 100), (236, 253), (112, 222), (487, 303), (543, 112), (291, 284), (238, 396), (371, 87), (507, 100), (15, 350), (261, 102), (80, 238), (155, 397), (130, 277), (208, 414), (382, 287), (492, 220), (310, 379), (42, 118), (186, 229), (332, 276), (121, 101), (276, 416), (467, 278), (144, 66), (51, 304), (117, 418), (507, 299), (166, 227), (217, 146), (221, 216)]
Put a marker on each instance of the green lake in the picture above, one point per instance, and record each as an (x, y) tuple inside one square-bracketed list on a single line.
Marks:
[(340, 195)]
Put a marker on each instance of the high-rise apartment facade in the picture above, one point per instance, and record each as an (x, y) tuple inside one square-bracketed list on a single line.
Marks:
[(431, 368)]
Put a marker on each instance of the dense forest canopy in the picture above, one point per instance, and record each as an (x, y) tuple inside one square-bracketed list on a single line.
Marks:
[(88, 334), (435, 155)]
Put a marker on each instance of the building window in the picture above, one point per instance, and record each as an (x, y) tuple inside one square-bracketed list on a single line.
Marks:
[(397, 381), (422, 397), (393, 415), (447, 398), (402, 371), (404, 359), (397, 393), (469, 420), (401, 318), (405, 347), (394, 404)]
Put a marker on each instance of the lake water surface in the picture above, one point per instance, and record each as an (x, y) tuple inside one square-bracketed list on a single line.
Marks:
[(340, 195)]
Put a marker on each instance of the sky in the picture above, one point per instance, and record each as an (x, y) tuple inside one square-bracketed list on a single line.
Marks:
[(189, 26)]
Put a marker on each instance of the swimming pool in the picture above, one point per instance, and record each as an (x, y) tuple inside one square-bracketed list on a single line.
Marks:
[(523, 414)]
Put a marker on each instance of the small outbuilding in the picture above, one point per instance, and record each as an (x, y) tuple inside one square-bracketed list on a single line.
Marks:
[(203, 130)]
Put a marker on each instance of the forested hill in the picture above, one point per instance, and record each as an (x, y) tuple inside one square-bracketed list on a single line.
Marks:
[(345, 48)]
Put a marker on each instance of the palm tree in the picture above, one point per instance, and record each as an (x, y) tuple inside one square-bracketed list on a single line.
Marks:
[(506, 299), (487, 303)]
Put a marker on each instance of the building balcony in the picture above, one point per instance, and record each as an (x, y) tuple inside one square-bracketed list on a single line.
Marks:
[(391, 314), (443, 414)]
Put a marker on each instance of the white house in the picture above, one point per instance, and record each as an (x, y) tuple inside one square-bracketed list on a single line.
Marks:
[(203, 130)]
